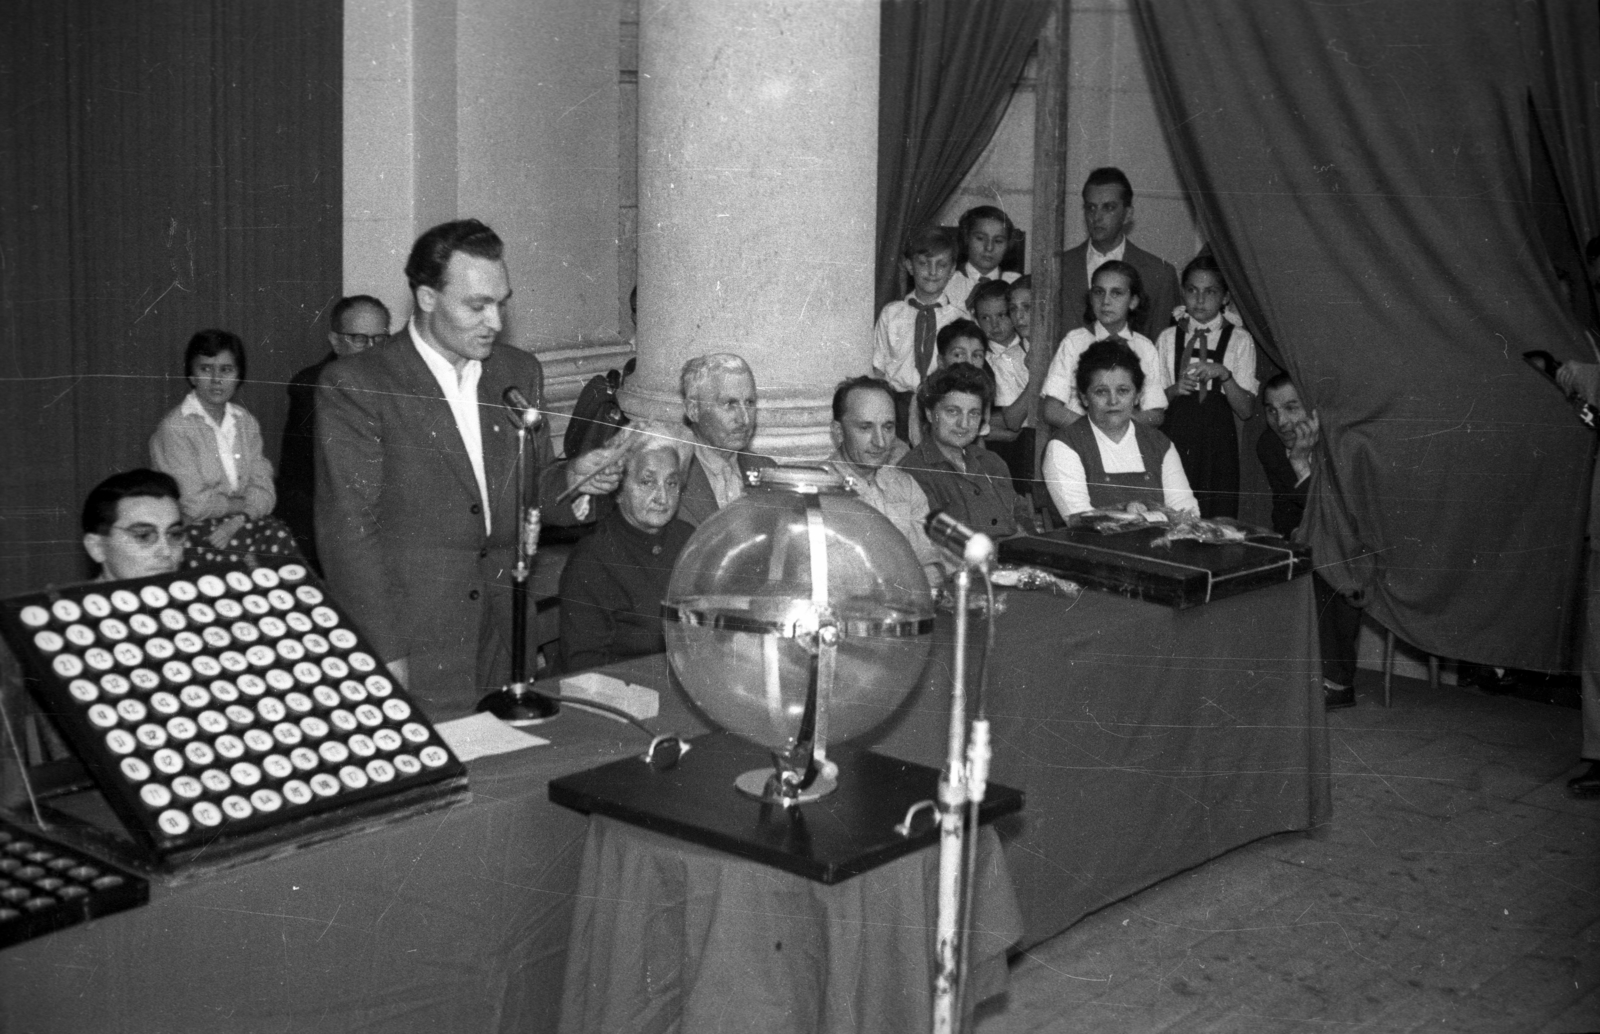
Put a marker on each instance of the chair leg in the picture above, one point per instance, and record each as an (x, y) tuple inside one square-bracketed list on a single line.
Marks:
[(1433, 672), (1388, 664)]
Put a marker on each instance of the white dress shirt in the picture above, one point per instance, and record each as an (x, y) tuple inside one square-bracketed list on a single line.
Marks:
[(722, 471), (461, 392), (1061, 382), (1093, 260), (1239, 360), (894, 340), (1069, 483), (226, 433)]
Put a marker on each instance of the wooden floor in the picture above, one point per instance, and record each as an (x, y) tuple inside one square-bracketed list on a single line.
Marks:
[(1457, 888)]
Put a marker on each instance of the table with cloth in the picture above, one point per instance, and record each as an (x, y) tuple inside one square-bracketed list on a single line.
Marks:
[(1147, 741)]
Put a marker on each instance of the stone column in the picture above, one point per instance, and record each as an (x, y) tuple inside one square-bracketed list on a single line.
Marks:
[(758, 145)]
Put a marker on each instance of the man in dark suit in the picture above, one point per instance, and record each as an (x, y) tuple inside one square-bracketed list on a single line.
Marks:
[(1107, 207), (355, 324), (1287, 452), (416, 463), (719, 405)]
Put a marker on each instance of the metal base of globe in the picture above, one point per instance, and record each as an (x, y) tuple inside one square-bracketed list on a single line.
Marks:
[(515, 704), (762, 784)]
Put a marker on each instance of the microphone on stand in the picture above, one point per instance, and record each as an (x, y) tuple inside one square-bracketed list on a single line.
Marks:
[(515, 702), (973, 547), (524, 414)]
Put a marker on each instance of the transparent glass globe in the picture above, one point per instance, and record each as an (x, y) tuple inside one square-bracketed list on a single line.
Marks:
[(745, 604)]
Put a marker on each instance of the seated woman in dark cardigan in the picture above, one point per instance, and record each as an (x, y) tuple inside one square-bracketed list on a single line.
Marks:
[(957, 473), (615, 580)]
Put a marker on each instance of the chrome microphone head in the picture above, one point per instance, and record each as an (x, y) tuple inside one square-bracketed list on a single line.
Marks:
[(523, 413)]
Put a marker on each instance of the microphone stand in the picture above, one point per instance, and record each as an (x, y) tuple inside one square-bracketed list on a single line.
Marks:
[(515, 702), (961, 791)]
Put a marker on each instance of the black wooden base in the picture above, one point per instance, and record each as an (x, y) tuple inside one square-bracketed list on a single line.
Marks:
[(844, 834)]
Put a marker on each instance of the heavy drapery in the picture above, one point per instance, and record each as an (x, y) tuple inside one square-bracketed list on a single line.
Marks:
[(1361, 171), (947, 71), (1566, 105), (164, 166)]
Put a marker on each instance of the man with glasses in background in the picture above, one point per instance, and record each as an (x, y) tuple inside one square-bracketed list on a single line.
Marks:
[(355, 324), (132, 528)]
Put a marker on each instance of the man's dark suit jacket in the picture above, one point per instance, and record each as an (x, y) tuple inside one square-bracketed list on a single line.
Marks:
[(698, 501), (1288, 497), (400, 522), (297, 461), (1161, 291)]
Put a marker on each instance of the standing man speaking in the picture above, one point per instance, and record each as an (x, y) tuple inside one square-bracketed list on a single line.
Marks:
[(416, 508)]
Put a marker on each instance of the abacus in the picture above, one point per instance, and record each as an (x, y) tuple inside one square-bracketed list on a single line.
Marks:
[(225, 710)]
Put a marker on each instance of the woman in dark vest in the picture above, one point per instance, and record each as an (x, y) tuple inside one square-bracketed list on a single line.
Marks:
[(1109, 460)]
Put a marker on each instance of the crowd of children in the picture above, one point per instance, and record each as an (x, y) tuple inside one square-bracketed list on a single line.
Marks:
[(1196, 378), (1140, 403)]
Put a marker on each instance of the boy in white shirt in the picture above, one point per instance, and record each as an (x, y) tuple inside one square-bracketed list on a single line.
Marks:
[(904, 348), (1011, 426)]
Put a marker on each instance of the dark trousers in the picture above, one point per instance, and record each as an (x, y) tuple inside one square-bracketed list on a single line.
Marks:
[(1338, 625)]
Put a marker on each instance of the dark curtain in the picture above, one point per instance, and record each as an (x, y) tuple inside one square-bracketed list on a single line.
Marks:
[(1361, 172), (1565, 100), (948, 68), (165, 165)]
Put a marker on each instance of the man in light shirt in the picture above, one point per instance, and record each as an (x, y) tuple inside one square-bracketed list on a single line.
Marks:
[(863, 440), (719, 406), (416, 508)]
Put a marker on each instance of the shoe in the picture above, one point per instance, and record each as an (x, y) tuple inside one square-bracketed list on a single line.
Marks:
[(1493, 681), (1587, 784), (1334, 697)]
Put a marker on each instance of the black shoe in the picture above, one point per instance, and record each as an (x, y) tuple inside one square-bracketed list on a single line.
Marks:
[(1587, 784), (1335, 697), (1487, 679)]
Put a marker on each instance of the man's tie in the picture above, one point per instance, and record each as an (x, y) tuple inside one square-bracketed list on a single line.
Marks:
[(927, 335)]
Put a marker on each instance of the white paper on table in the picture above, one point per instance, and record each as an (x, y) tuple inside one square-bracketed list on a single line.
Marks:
[(480, 735)]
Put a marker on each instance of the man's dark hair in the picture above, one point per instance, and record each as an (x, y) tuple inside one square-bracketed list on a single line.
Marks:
[(963, 377), (208, 344), (1109, 176), (841, 394), (1281, 379), (344, 305), (100, 509), (1112, 353), (431, 254)]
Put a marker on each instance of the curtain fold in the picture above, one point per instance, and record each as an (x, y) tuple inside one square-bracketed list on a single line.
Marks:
[(948, 67), (1565, 100), (1363, 181), (165, 166)]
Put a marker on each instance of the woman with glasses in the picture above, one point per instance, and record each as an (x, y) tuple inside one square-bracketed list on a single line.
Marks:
[(212, 447)]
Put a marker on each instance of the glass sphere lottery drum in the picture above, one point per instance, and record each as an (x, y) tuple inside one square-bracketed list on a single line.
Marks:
[(797, 617)]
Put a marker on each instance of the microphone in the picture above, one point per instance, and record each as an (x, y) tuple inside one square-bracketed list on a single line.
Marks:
[(973, 547), (523, 413)]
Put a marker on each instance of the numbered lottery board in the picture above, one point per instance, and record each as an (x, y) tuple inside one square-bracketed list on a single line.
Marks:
[(45, 886), (221, 704)]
